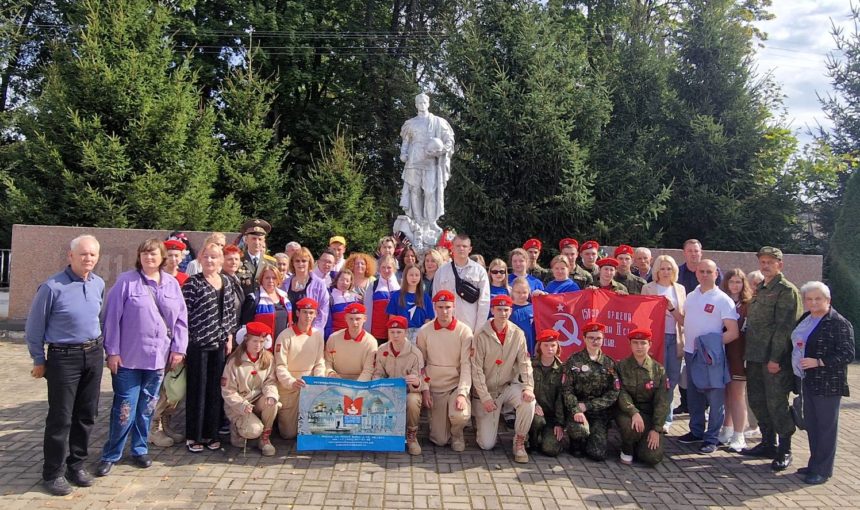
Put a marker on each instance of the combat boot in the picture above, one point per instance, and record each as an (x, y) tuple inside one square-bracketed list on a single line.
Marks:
[(783, 454), (266, 445), (520, 455), (766, 448), (412, 445), (458, 442), (158, 437), (178, 437)]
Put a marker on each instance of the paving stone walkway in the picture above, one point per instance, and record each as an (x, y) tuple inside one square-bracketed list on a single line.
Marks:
[(437, 479)]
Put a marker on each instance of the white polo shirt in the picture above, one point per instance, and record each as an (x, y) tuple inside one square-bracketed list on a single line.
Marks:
[(704, 313)]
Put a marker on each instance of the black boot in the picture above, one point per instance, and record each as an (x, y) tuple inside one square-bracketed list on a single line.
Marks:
[(766, 448), (783, 454), (682, 407)]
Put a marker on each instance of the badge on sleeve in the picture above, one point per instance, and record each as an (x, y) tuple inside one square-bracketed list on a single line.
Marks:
[(585, 368), (617, 384), (649, 385)]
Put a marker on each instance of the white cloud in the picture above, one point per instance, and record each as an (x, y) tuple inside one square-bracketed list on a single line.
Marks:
[(799, 41)]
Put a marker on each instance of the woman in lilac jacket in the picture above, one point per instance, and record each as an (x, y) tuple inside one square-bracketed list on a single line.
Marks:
[(145, 330), (302, 283)]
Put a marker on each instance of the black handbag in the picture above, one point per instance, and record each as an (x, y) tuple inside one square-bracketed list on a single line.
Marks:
[(467, 290), (797, 409)]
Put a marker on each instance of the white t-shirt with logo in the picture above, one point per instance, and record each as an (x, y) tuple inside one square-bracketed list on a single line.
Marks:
[(704, 313)]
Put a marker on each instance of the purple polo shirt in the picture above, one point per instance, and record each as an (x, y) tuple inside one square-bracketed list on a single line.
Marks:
[(133, 327)]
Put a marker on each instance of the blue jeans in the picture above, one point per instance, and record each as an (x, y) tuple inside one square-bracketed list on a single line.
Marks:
[(135, 394), (696, 401), (673, 368)]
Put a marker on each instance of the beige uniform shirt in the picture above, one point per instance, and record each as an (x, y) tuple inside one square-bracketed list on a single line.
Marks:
[(446, 357), (243, 382), (495, 366), (350, 358), (409, 361), (298, 354)]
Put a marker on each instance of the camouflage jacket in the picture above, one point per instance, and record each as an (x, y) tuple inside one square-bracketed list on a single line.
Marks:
[(771, 317), (548, 391), (582, 277), (643, 390), (593, 383), (631, 282)]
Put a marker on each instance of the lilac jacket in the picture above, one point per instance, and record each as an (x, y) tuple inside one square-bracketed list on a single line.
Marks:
[(317, 291), (133, 327)]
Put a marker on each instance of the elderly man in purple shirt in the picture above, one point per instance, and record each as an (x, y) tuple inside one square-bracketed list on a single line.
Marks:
[(146, 329), (65, 316)]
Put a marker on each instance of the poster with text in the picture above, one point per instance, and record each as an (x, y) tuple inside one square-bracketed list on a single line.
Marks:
[(568, 312), (339, 414)]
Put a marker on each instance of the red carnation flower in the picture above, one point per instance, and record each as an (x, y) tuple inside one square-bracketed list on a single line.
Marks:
[(331, 352), (426, 379), (800, 345), (253, 372), (498, 362), (385, 353)]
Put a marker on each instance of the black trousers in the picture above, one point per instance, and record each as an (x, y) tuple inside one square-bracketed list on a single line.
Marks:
[(74, 380), (204, 405), (821, 415)]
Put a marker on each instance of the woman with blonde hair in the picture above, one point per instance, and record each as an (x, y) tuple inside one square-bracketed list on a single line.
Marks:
[(665, 283), (363, 268), (431, 263), (195, 266), (519, 263), (303, 283), (498, 273)]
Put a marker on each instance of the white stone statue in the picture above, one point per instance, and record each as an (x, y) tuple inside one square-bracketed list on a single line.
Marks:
[(428, 143)]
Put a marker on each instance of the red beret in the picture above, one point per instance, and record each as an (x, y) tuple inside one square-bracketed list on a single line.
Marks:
[(444, 295), (548, 335), (258, 329), (624, 249), (567, 241), (588, 245), (397, 322), (593, 326), (174, 244), (533, 243), (307, 304), (608, 261), (640, 334), (501, 300), (355, 308)]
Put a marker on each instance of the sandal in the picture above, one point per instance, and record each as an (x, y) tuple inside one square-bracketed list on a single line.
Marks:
[(193, 446), (214, 444)]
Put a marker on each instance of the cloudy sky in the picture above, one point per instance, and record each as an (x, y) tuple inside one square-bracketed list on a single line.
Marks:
[(799, 41)]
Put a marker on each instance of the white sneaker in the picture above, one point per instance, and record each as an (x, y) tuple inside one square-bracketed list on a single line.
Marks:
[(626, 459), (725, 435), (752, 433), (737, 443)]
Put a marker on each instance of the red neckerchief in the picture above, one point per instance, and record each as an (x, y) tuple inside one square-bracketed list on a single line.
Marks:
[(393, 351), (300, 332), (449, 327), (252, 358), (357, 338), (499, 334)]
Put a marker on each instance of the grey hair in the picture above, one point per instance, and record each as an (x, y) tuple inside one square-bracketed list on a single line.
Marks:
[(81, 238), (642, 249), (282, 256), (294, 245), (815, 285), (755, 276)]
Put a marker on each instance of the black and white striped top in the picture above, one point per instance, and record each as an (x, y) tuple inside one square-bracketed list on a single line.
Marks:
[(211, 313)]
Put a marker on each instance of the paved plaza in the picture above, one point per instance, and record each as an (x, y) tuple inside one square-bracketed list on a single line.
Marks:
[(437, 479)]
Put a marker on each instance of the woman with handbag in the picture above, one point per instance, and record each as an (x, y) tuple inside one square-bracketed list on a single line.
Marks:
[(145, 329), (212, 323), (823, 346)]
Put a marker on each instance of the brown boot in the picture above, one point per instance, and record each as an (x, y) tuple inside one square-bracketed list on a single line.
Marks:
[(412, 445), (178, 437), (266, 445), (520, 455), (158, 437)]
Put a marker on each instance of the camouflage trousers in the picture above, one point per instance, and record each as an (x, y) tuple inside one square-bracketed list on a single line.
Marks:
[(768, 397), (592, 437), (542, 437), (636, 443)]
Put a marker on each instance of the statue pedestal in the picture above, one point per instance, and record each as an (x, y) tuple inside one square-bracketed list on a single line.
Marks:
[(422, 236)]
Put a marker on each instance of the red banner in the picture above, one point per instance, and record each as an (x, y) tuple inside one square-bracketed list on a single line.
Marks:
[(568, 312)]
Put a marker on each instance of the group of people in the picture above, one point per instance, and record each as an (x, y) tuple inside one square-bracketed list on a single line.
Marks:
[(244, 328)]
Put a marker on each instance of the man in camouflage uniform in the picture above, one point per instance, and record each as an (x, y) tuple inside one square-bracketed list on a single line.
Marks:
[(570, 247), (547, 430), (590, 388), (623, 275), (533, 247), (771, 317), (643, 403), (606, 277), (590, 251)]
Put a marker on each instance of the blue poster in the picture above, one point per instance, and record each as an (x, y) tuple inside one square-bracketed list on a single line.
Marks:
[(339, 414)]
